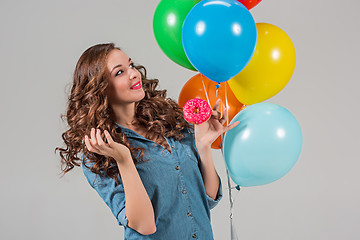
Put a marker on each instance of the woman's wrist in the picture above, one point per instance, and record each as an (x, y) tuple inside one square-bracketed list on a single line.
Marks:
[(201, 147), (123, 158)]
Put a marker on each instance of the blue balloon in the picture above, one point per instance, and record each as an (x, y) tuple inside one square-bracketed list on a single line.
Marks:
[(264, 146), (219, 38)]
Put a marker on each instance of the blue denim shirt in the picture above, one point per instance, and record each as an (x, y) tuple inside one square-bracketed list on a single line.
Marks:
[(175, 187)]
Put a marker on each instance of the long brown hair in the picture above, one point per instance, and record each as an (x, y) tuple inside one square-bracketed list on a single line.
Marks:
[(88, 107)]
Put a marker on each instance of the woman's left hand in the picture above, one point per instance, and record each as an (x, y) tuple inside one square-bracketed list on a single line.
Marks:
[(207, 132)]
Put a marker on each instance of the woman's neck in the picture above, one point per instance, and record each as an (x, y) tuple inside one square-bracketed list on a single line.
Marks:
[(125, 114)]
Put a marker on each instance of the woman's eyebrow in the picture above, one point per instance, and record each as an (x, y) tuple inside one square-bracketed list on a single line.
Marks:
[(118, 66)]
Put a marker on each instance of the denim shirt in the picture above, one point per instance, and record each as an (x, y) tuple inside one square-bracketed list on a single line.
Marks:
[(174, 185)]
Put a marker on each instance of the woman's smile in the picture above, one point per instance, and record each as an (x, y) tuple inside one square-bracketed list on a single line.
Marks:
[(136, 86)]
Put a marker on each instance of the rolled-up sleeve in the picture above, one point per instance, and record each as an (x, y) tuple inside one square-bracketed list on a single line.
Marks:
[(112, 194), (121, 218), (212, 203), (118, 202)]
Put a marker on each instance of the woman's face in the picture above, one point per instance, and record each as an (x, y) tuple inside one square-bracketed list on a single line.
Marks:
[(123, 77)]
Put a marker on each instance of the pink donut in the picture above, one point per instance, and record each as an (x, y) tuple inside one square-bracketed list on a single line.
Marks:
[(196, 111)]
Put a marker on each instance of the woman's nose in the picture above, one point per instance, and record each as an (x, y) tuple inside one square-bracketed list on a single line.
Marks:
[(132, 72)]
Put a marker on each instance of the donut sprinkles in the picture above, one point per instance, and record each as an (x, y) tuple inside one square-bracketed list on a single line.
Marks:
[(196, 111)]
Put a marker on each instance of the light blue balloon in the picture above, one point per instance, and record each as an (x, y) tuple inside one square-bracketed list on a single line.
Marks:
[(264, 146), (219, 38)]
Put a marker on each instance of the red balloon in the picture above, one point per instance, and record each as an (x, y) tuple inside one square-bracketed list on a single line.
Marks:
[(249, 4)]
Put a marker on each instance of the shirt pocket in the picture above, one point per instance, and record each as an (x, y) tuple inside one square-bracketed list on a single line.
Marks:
[(191, 152)]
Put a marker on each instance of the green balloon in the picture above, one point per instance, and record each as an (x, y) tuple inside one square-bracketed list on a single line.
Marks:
[(168, 19)]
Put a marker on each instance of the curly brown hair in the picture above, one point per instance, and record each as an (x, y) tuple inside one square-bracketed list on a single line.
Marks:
[(88, 107)]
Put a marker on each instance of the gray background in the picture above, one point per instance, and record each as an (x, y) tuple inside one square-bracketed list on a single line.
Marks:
[(41, 42)]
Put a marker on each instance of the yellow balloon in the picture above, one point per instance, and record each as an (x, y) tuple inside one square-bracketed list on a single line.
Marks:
[(270, 68)]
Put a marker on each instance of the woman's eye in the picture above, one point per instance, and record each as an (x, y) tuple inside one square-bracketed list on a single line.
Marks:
[(131, 64), (118, 73)]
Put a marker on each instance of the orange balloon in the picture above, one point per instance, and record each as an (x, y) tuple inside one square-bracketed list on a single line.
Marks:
[(194, 88)]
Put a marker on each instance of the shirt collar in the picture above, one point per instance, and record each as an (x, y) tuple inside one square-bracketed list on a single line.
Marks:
[(130, 133), (125, 130)]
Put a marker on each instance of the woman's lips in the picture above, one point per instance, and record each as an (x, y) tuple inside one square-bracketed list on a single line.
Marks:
[(138, 85)]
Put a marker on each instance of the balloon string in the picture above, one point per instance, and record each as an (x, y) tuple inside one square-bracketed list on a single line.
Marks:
[(205, 90), (227, 107), (233, 233), (217, 89), (232, 227)]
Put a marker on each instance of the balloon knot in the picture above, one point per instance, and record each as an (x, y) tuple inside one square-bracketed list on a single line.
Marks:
[(217, 86), (237, 187)]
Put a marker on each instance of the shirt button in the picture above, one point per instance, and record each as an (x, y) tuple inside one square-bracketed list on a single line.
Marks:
[(194, 235), (189, 214), (183, 191), (172, 146), (177, 167)]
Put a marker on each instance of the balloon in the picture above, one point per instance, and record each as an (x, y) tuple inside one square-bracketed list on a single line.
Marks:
[(194, 88), (264, 146), (249, 4), (269, 70), (219, 38), (168, 19)]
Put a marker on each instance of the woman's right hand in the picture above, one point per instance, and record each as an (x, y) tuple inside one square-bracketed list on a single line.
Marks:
[(112, 149)]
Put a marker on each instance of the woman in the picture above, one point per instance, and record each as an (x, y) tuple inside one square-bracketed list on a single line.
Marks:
[(116, 115)]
